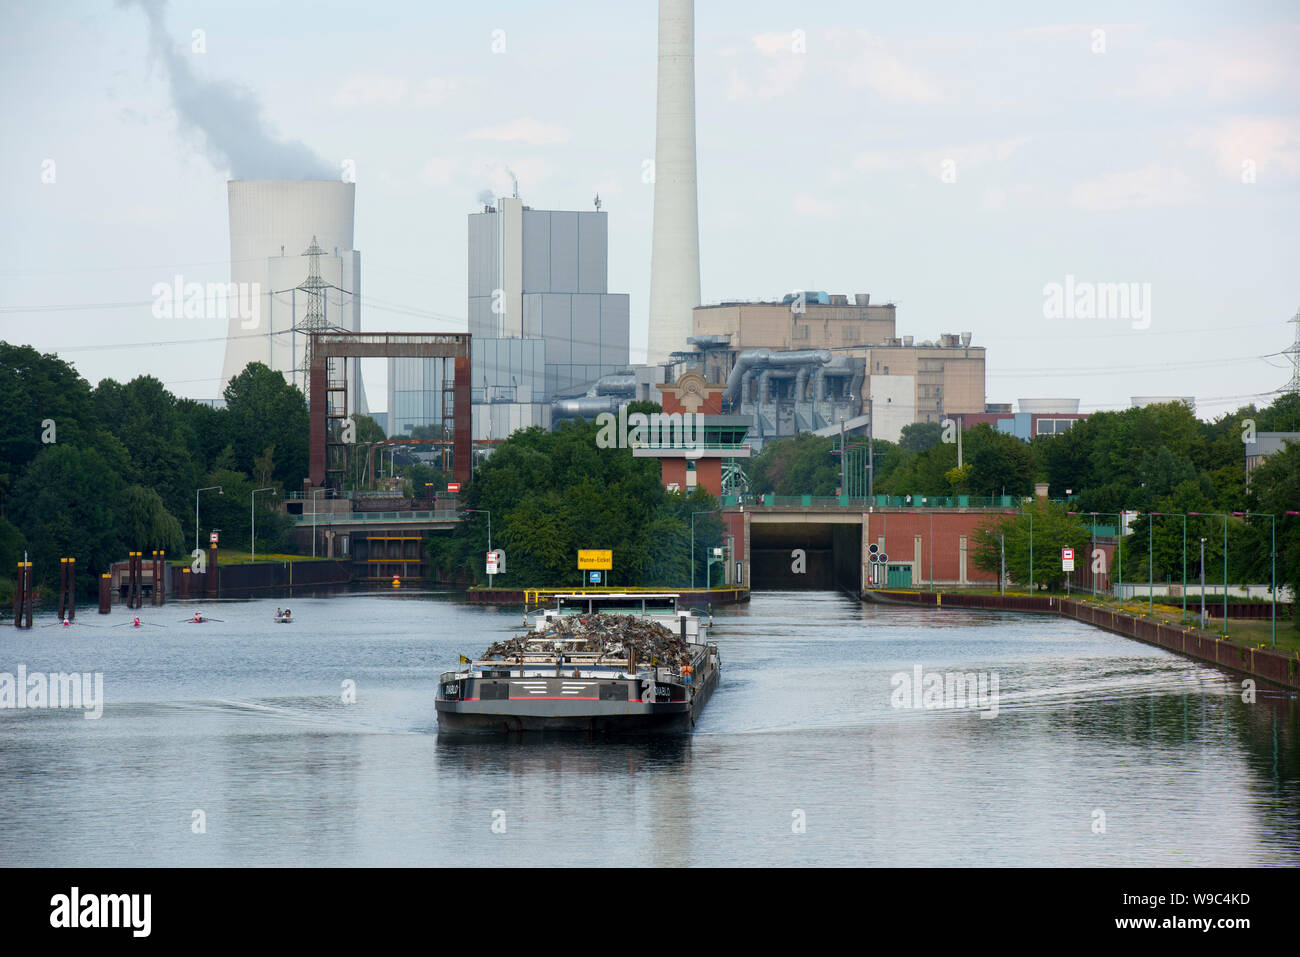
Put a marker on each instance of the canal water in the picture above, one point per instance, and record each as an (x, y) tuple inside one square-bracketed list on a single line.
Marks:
[(231, 743)]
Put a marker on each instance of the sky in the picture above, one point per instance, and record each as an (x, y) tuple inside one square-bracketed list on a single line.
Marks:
[(956, 160)]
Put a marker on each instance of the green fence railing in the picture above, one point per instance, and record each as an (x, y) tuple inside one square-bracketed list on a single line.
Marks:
[(879, 501)]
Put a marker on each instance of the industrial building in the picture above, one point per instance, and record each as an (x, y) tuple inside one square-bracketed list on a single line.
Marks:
[(291, 245), (814, 360), (675, 243), (543, 321), (1047, 416)]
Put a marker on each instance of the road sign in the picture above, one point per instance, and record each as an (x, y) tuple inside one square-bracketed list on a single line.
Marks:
[(213, 538), (595, 559), (492, 563), (1067, 559), (453, 486), (594, 577)]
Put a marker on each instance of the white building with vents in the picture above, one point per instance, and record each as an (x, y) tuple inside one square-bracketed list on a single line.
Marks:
[(272, 223)]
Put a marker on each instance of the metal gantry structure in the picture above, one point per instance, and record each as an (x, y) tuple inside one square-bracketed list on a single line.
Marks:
[(1293, 353)]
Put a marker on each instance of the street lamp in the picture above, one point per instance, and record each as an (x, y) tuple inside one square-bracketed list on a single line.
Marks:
[(1202, 582), (488, 513), (252, 520), (209, 488), (1224, 516)]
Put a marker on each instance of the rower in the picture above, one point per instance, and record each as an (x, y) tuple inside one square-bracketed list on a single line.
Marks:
[(198, 618), (136, 623)]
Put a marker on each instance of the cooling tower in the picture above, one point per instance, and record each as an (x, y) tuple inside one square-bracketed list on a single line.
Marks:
[(675, 254), (272, 222)]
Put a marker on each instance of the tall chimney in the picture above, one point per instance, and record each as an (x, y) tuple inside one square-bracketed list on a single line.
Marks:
[(675, 253)]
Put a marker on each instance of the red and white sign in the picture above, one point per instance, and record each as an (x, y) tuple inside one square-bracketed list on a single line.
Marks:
[(213, 538), (1067, 559), (492, 562), (453, 486)]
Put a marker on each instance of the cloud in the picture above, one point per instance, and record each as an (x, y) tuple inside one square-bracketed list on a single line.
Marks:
[(523, 130), (806, 204), (872, 66), (438, 171), (382, 89), (1152, 185), (1237, 66), (235, 135), (779, 69), (435, 91), (370, 89), (1271, 143), (932, 161)]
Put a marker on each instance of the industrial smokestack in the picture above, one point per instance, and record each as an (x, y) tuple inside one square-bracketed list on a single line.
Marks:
[(675, 254)]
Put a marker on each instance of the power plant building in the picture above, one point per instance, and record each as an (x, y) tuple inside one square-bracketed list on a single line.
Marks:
[(815, 360), (543, 321), (272, 225)]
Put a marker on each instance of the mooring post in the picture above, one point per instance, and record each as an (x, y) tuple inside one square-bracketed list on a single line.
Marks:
[(105, 593), (20, 595), (63, 586), (185, 583), (212, 573), (130, 580), (27, 595), (72, 589), (160, 578)]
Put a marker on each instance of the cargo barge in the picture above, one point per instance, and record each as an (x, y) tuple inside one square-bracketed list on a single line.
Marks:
[(560, 678)]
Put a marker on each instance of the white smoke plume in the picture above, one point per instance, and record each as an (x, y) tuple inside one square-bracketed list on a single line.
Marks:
[(234, 132)]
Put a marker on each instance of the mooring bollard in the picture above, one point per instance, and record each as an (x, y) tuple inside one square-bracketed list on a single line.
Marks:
[(105, 593), (212, 575), (72, 589), (185, 583), (22, 596), (160, 578)]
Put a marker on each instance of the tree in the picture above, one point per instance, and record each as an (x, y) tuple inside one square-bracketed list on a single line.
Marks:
[(43, 403), (145, 524), (1275, 489), (262, 409), (801, 465), (66, 504), (920, 436), (1051, 528)]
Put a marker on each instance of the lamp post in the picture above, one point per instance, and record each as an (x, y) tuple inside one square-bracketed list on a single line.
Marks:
[(488, 513), (209, 488), (1031, 551), (1202, 582), (252, 521), (706, 511), (1224, 516), (1272, 554)]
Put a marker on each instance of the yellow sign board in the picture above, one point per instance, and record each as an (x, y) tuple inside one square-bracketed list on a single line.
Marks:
[(595, 559)]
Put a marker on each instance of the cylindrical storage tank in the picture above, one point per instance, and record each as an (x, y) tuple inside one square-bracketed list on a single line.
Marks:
[(1049, 406)]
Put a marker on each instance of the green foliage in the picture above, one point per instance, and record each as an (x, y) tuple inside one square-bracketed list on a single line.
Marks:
[(801, 465), (262, 409), (12, 544), (66, 505), (551, 494), (920, 436), (1275, 489), (1044, 527)]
